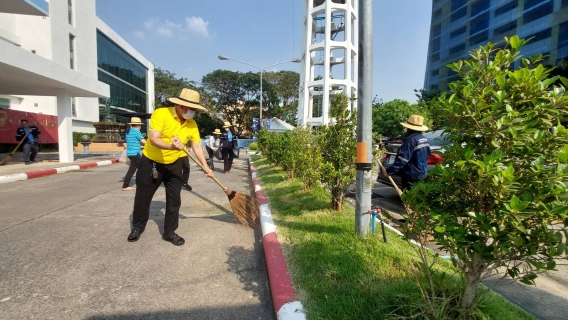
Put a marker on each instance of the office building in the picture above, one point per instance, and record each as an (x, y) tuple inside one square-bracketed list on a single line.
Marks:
[(459, 26), (63, 68)]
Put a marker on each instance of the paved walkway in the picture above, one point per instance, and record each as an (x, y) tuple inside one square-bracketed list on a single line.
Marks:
[(64, 253)]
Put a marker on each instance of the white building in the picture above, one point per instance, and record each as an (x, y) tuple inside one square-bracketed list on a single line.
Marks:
[(58, 58), (330, 65)]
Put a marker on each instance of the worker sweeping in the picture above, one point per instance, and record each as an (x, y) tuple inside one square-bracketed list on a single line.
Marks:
[(170, 130)]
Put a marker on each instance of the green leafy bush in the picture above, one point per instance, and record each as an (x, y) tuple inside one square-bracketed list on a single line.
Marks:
[(77, 137), (253, 146), (497, 201)]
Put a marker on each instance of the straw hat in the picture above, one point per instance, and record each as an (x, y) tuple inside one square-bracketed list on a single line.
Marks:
[(415, 122), (226, 124), (188, 98), (217, 131), (135, 120)]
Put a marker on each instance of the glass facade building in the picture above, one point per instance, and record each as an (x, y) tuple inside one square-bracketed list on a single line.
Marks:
[(126, 77), (459, 26)]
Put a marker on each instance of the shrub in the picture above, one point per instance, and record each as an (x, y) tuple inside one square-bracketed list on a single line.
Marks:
[(253, 146), (498, 200), (77, 136)]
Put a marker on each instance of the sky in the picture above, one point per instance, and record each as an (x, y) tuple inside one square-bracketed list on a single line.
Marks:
[(186, 36)]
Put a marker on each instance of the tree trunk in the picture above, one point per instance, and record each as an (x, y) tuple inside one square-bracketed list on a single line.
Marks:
[(469, 292)]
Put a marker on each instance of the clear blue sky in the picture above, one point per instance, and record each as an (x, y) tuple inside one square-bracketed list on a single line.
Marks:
[(186, 36)]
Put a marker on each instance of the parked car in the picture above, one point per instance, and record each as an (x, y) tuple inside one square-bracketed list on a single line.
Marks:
[(437, 141)]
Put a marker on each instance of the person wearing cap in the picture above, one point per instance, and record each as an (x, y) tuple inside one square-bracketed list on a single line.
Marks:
[(226, 141), (212, 146), (170, 130), (133, 140), (412, 158)]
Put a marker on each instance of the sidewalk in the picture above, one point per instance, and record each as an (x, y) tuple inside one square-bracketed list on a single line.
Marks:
[(65, 254)]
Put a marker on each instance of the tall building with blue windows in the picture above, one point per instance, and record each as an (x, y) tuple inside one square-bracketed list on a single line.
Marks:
[(459, 26)]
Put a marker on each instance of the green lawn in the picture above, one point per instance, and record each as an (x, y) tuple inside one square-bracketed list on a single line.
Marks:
[(338, 275)]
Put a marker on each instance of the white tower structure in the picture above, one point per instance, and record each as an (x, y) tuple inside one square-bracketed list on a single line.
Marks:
[(329, 64)]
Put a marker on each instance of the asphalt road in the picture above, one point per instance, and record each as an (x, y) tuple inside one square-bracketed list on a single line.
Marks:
[(64, 254), (547, 300)]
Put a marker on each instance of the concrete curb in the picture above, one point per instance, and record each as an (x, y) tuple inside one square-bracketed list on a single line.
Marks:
[(286, 305), (47, 172)]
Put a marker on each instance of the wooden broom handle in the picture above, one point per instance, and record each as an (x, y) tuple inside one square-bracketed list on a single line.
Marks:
[(19, 144), (388, 176), (203, 168)]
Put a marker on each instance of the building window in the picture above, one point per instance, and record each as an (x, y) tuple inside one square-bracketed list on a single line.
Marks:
[(438, 13), (541, 35), (457, 32), (563, 35), (456, 15), (456, 4), (480, 23), (506, 8), (73, 107), (479, 38), (538, 12), (505, 28), (458, 48), (70, 11), (479, 6), (564, 3), (436, 30), (4, 103), (434, 73), (72, 51), (531, 3), (435, 57), (435, 45)]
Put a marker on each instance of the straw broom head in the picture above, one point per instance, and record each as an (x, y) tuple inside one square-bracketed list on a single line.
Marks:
[(245, 208)]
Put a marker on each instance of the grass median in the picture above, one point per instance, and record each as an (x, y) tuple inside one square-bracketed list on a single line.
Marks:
[(338, 275)]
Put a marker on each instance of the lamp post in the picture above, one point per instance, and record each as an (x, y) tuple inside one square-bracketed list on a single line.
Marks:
[(261, 69)]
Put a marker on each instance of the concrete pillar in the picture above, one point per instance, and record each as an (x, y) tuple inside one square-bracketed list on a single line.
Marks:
[(65, 126)]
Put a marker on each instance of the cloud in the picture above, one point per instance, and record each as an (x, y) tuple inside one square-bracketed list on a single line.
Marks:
[(139, 34), (192, 26), (198, 25)]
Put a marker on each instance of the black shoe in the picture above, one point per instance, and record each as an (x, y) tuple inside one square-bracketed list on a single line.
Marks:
[(188, 187), (175, 239), (134, 235)]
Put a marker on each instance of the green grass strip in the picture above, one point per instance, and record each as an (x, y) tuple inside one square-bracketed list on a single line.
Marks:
[(338, 275)]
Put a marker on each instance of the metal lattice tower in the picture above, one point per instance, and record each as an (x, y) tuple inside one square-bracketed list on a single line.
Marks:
[(330, 65)]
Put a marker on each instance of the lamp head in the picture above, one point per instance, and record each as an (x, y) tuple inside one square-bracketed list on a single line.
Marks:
[(297, 60), (223, 58)]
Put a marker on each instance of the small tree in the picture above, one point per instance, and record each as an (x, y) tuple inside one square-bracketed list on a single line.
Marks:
[(388, 116), (338, 143), (498, 199)]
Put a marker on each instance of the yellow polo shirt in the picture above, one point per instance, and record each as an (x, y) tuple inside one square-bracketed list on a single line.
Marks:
[(166, 121)]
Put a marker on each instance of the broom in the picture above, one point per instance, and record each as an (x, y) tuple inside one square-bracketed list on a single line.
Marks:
[(9, 157), (245, 207)]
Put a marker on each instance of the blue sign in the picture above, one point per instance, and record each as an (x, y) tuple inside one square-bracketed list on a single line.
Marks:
[(268, 123)]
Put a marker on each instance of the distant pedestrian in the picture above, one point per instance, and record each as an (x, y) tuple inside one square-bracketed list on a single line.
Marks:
[(31, 141), (134, 139), (227, 147), (412, 158), (170, 130), (212, 147)]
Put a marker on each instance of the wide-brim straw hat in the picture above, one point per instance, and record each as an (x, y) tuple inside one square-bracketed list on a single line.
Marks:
[(415, 122), (217, 131), (188, 98), (136, 120), (226, 124)]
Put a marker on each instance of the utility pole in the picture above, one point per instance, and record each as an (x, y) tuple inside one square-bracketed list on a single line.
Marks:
[(364, 181)]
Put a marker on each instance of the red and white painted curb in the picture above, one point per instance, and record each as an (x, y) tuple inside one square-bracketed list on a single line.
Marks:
[(284, 298), (47, 172)]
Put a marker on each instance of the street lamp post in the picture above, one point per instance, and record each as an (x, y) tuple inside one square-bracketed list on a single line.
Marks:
[(261, 69)]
